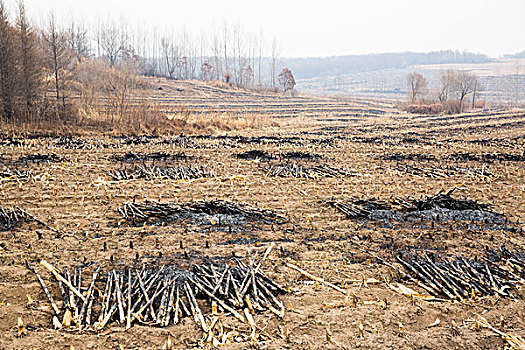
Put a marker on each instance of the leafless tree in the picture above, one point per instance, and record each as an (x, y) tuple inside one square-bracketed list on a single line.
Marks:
[(171, 55), (216, 54), (113, 41), (446, 81), (225, 38), (260, 58), (247, 74), (79, 40), (274, 59), (465, 83), (206, 70), (417, 85), (30, 81), (8, 58), (58, 55)]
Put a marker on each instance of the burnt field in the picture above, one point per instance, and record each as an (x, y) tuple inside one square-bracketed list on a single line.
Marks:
[(332, 231)]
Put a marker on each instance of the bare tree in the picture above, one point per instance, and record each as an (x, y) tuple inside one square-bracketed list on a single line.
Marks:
[(247, 74), (79, 40), (225, 37), (30, 65), (112, 41), (59, 56), (417, 85), (465, 83), (446, 81), (259, 59), (216, 54), (8, 58), (206, 70), (171, 55), (274, 59)]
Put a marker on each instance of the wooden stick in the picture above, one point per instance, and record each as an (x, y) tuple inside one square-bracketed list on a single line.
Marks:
[(153, 298), (166, 320), (106, 291), (199, 318), (118, 291), (128, 319), (57, 275), (221, 303), (89, 294), (145, 294), (320, 280), (177, 300), (46, 291), (71, 295)]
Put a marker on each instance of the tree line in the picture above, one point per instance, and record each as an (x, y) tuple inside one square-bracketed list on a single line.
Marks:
[(311, 67), (42, 67), (451, 93)]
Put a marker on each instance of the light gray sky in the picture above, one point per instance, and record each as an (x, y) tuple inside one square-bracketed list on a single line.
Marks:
[(329, 27)]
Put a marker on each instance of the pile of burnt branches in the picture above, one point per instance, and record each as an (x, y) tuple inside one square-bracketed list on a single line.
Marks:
[(159, 156), (440, 207), (360, 208), (12, 141), (298, 155), (408, 156), (139, 140), (488, 157), (12, 217), (181, 172), (254, 155), (36, 158), (461, 278), (204, 212), (161, 296), (446, 201), (300, 171), (68, 142), (6, 173), (443, 173)]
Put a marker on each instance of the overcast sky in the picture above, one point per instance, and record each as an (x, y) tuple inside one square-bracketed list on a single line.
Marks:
[(330, 27)]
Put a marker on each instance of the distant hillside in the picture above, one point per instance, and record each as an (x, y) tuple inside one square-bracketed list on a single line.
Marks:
[(516, 55), (305, 68)]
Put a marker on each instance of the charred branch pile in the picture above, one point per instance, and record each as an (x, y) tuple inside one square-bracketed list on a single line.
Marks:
[(6, 173), (67, 142), (443, 173), (206, 212), (461, 278), (159, 156), (12, 217), (298, 155), (446, 201), (161, 296), (408, 156), (440, 207), (139, 140), (37, 158), (360, 208), (488, 157), (254, 155), (300, 171), (181, 172)]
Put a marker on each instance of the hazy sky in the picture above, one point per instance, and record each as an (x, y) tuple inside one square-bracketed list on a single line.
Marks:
[(329, 27)]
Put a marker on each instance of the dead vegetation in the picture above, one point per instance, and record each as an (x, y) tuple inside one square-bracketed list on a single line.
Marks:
[(344, 284)]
